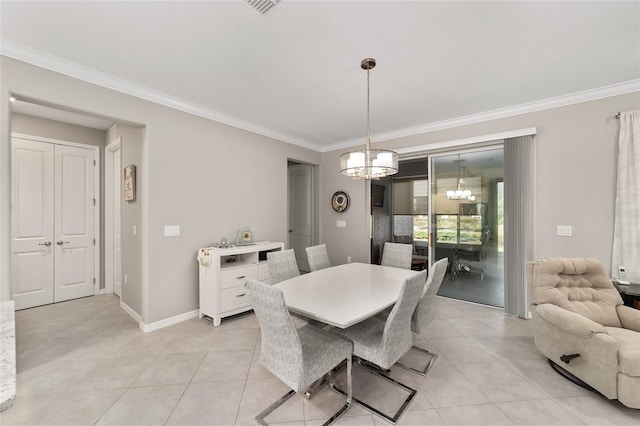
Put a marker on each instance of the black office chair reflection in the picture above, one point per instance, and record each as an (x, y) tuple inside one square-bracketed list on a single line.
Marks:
[(471, 259)]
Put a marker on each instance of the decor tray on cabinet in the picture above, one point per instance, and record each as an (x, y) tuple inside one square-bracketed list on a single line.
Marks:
[(223, 273)]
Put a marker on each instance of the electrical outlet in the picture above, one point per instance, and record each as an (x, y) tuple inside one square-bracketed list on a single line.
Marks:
[(622, 273)]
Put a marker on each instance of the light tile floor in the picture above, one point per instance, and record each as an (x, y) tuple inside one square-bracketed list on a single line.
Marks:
[(85, 362)]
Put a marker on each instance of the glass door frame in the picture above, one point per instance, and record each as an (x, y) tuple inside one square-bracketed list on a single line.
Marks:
[(496, 144), (516, 301)]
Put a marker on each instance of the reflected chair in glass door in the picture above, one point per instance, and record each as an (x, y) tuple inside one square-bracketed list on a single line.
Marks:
[(471, 259)]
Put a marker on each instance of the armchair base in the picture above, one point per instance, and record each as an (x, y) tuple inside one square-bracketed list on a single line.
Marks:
[(564, 373)]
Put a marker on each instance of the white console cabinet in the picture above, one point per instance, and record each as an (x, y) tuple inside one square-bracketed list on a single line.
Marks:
[(222, 282)]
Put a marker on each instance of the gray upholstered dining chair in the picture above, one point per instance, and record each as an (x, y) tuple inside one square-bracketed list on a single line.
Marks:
[(423, 314), (296, 357), (381, 343), (397, 255), (282, 265), (318, 257)]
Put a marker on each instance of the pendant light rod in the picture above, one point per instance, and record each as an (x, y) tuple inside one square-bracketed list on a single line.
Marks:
[(368, 64), (369, 163)]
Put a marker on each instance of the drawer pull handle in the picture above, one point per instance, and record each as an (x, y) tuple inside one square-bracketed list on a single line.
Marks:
[(241, 277), (240, 295)]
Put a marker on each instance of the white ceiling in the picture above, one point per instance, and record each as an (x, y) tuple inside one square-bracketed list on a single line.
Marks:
[(295, 73)]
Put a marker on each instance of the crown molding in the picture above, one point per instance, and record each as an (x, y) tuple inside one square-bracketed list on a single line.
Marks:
[(51, 63), (550, 103)]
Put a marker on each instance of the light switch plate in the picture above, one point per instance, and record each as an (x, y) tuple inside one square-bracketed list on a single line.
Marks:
[(564, 231), (172, 231)]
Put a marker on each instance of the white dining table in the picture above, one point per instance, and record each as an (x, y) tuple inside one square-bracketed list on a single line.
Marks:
[(344, 295)]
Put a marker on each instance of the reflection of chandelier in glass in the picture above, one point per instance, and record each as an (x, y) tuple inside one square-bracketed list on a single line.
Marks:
[(369, 163), (459, 193)]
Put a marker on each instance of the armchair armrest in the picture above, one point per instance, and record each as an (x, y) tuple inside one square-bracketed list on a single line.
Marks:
[(629, 317), (569, 322)]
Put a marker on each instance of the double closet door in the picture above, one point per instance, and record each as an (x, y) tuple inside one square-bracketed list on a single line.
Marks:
[(52, 222)]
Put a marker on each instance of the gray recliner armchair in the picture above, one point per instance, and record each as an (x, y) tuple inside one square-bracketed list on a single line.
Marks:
[(582, 326)]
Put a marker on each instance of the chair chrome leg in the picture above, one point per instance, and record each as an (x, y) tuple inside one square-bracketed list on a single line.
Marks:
[(423, 372), (315, 387), (381, 373), (349, 394), (260, 417)]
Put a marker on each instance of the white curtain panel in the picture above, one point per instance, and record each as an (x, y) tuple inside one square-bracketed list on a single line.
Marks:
[(626, 239)]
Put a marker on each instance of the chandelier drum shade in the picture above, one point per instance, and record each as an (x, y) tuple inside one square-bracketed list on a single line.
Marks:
[(369, 163)]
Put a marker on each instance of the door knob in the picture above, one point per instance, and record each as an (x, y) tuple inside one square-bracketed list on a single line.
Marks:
[(46, 244), (61, 242)]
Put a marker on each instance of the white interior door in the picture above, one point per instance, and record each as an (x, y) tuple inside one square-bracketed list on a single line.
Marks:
[(301, 212), (52, 222), (74, 227), (31, 223)]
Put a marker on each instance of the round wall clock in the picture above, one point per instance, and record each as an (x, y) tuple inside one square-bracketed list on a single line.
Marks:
[(340, 201)]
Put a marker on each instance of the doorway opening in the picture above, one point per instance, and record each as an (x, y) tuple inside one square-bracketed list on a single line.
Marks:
[(113, 220), (468, 224), (302, 227), (56, 221)]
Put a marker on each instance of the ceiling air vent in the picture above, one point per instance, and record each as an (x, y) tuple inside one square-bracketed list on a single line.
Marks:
[(262, 6)]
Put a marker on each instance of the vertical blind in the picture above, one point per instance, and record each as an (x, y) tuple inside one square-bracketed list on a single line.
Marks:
[(518, 205)]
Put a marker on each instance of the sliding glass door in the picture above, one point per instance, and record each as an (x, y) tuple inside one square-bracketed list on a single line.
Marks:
[(467, 223)]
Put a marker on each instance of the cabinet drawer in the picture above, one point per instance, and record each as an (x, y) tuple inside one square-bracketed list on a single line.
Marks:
[(233, 297), (238, 276)]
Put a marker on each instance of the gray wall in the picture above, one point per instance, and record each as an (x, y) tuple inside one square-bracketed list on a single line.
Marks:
[(574, 184), (207, 177), (35, 126)]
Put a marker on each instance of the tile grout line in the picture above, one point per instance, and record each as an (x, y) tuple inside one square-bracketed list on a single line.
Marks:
[(186, 387)]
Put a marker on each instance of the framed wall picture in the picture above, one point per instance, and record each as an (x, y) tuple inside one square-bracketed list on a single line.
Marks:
[(130, 183)]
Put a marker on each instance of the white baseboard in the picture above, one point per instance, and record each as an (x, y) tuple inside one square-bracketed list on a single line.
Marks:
[(168, 321), (133, 314)]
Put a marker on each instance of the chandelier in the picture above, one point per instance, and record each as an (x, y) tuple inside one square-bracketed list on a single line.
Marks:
[(459, 193), (369, 163)]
